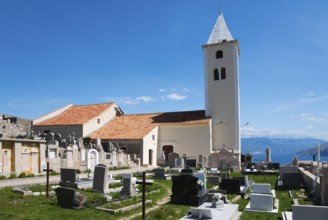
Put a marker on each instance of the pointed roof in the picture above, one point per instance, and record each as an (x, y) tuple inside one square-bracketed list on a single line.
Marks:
[(220, 31)]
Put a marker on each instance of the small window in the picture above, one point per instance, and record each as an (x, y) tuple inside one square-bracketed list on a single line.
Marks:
[(98, 120), (216, 74), (153, 137), (223, 73), (219, 54)]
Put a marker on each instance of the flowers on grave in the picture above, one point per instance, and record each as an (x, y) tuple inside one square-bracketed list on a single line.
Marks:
[(78, 171)]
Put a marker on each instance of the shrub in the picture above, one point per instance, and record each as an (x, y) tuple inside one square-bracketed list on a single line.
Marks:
[(53, 173), (12, 176), (22, 175), (2, 177), (30, 175)]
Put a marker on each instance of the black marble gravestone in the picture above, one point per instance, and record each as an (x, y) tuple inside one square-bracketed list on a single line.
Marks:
[(274, 166), (231, 185), (191, 163), (241, 178), (291, 180), (65, 197), (187, 191)]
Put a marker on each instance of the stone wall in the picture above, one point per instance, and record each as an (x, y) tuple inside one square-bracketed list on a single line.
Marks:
[(63, 130), (308, 179), (11, 126)]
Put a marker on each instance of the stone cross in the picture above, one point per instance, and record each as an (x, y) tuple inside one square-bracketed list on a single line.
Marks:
[(144, 183)]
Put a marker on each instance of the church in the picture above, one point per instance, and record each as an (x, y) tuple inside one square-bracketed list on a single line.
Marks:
[(153, 136)]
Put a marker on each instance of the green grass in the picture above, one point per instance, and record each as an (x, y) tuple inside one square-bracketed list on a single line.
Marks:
[(15, 206)]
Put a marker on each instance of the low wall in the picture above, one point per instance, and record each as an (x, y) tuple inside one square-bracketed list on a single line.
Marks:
[(308, 179)]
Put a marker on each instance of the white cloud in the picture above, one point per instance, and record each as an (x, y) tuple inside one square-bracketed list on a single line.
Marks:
[(298, 103), (186, 90), (310, 93), (146, 99), (175, 97), (162, 90), (309, 117), (269, 132)]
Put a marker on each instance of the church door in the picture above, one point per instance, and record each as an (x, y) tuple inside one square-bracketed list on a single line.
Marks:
[(150, 157), (167, 149)]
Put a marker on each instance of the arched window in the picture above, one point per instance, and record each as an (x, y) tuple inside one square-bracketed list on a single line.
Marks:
[(223, 73), (216, 74), (219, 54)]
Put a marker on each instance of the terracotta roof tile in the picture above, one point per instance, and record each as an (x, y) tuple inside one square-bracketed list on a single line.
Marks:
[(138, 125), (77, 115)]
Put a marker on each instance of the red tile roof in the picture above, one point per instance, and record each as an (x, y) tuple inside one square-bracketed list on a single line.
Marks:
[(77, 115), (139, 125)]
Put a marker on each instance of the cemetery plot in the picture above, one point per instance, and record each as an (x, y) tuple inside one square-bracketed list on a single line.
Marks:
[(125, 205)]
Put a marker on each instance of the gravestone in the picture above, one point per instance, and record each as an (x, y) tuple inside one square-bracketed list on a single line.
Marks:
[(68, 177), (291, 180), (128, 188), (187, 191), (242, 180), (180, 163), (191, 163), (232, 186), (213, 180), (288, 169), (224, 175), (202, 177), (100, 178), (65, 197), (160, 174), (262, 188), (261, 202), (273, 166), (171, 159)]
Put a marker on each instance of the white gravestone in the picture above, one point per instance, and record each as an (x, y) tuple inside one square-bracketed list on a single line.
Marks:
[(261, 202), (262, 188)]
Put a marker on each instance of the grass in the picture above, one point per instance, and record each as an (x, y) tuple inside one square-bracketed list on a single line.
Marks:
[(15, 206)]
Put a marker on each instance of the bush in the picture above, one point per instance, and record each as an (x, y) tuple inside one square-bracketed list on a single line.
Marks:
[(2, 177), (53, 173), (22, 175), (12, 176), (30, 175)]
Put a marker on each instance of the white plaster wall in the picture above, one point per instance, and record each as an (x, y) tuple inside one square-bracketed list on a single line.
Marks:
[(92, 125), (222, 96), (150, 144), (186, 139), (18, 158), (52, 114)]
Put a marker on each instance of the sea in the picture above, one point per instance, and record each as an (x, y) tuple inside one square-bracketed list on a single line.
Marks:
[(284, 159)]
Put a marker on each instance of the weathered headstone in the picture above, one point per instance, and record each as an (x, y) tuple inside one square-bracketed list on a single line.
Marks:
[(160, 174), (171, 158), (202, 177), (100, 178), (262, 188), (128, 188)]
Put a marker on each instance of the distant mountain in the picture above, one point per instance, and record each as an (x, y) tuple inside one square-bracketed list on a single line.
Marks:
[(314, 150), (279, 145)]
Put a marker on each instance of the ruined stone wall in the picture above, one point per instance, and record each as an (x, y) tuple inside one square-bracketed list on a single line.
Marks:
[(11, 127)]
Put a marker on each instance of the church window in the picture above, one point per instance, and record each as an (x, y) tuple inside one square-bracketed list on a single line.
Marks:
[(98, 120), (216, 74), (223, 73), (153, 137), (219, 54)]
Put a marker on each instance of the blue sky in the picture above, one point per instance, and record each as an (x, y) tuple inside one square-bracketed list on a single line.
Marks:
[(146, 55)]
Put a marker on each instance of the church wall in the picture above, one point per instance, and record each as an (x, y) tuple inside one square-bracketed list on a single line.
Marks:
[(63, 130), (130, 146), (150, 143), (186, 139), (103, 118)]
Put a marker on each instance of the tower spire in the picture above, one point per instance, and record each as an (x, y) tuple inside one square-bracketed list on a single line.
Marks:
[(220, 31)]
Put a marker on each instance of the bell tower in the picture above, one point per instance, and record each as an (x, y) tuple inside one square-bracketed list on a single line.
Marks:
[(222, 86)]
